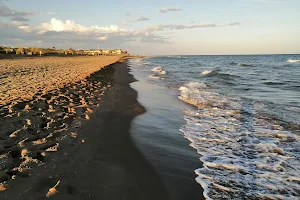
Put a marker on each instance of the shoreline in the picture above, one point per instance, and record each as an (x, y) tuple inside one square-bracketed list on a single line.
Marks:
[(156, 134), (101, 161)]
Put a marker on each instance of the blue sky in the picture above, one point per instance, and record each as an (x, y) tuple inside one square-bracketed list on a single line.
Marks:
[(155, 27)]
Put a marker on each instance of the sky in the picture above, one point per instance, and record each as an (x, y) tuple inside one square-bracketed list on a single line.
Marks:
[(155, 27)]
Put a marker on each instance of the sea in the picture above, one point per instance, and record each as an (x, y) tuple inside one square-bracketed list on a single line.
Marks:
[(244, 122)]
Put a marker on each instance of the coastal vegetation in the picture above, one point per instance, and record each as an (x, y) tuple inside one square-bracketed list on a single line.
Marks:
[(53, 51)]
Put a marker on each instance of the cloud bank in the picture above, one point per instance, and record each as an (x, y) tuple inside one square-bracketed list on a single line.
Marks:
[(69, 32), (15, 15)]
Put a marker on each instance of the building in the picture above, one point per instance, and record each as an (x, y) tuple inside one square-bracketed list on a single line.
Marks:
[(105, 52)]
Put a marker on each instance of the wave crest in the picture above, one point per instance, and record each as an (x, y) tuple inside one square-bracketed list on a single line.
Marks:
[(205, 72), (292, 61), (159, 70)]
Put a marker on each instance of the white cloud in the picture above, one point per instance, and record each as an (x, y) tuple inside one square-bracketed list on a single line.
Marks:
[(68, 33), (165, 10), (70, 26), (25, 28), (139, 19)]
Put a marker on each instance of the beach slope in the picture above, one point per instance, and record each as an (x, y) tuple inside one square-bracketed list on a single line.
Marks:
[(100, 161)]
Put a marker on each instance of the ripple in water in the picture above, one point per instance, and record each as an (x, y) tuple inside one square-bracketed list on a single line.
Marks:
[(244, 155)]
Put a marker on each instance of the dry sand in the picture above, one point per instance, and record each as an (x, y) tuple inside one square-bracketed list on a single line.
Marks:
[(21, 79)]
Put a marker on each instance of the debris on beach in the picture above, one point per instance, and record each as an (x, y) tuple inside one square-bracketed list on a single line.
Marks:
[(21, 143), (14, 134), (3, 186), (73, 134), (52, 191), (51, 109), (88, 110), (87, 117), (28, 122), (54, 148), (40, 141)]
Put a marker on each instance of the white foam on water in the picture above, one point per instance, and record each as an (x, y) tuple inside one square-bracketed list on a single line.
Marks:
[(155, 77), (176, 57), (159, 70), (292, 61), (205, 72), (244, 155)]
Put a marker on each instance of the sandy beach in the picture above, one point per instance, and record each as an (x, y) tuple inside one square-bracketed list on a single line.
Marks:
[(74, 141), (22, 78), (35, 127)]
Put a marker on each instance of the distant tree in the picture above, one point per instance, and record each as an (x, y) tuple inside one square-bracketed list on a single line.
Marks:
[(61, 51), (35, 51), (71, 51), (6, 49), (20, 50)]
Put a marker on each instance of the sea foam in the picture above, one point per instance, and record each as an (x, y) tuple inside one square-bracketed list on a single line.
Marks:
[(244, 155), (155, 77), (159, 70), (292, 61), (205, 72)]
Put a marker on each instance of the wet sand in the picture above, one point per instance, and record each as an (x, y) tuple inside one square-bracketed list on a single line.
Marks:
[(156, 134)]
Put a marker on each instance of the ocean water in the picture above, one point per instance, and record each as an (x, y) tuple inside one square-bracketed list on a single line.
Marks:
[(245, 124)]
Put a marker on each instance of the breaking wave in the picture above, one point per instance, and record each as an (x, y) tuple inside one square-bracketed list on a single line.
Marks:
[(218, 74), (205, 72), (158, 70), (244, 155), (292, 61), (155, 77)]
